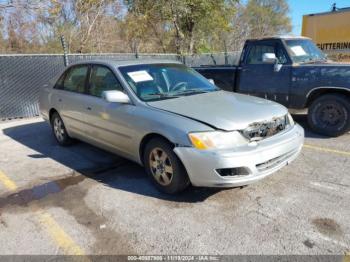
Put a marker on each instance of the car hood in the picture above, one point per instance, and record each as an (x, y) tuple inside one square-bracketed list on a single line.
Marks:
[(327, 64), (308, 76), (223, 110)]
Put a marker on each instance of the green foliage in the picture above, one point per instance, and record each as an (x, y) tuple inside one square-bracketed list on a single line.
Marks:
[(267, 17), (188, 21), (181, 26)]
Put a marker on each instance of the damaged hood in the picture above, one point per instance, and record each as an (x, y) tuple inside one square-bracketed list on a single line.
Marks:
[(223, 110)]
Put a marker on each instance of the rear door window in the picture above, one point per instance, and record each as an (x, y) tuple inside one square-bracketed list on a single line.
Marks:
[(75, 79)]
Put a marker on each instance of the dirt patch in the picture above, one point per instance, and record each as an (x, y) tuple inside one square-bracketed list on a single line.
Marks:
[(2, 222), (308, 243), (68, 193), (327, 226), (26, 196), (107, 241)]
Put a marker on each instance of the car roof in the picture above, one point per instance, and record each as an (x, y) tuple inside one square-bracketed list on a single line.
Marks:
[(119, 63), (284, 37)]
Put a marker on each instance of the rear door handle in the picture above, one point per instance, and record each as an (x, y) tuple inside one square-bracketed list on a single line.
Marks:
[(89, 108), (60, 100)]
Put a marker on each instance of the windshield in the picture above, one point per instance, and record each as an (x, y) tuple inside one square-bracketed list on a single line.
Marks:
[(152, 82), (303, 50)]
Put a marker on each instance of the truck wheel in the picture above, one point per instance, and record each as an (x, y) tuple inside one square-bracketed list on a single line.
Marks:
[(330, 115), (164, 167), (59, 130)]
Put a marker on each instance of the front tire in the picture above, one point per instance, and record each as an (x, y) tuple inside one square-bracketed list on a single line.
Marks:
[(329, 115), (164, 167), (59, 130)]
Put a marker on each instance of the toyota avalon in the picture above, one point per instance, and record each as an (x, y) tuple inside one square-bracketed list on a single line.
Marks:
[(171, 120)]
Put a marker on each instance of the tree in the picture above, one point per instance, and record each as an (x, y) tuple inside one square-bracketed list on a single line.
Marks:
[(20, 32), (180, 26), (193, 18), (188, 21), (78, 20), (267, 17)]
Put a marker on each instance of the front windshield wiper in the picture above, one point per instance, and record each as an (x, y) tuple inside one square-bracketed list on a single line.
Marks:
[(314, 60), (177, 94), (161, 95), (192, 91)]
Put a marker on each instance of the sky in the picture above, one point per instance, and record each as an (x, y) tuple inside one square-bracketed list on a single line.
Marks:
[(303, 7)]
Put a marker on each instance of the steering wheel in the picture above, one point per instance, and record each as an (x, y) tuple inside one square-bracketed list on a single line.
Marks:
[(179, 86)]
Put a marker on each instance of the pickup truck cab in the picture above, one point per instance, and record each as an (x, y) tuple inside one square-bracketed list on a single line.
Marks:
[(295, 73)]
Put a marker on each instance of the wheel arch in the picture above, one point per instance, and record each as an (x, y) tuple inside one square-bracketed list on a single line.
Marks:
[(320, 91), (148, 138), (51, 112)]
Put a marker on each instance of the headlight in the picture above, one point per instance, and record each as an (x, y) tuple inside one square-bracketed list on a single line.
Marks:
[(216, 140), (290, 119)]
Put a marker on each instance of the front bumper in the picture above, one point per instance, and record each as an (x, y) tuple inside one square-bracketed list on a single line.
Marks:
[(261, 160)]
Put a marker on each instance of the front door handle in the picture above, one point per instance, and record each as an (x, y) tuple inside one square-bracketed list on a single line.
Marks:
[(89, 108), (60, 100)]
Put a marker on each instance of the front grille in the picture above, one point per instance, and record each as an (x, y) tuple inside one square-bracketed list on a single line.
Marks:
[(274, 161), (261, 130)]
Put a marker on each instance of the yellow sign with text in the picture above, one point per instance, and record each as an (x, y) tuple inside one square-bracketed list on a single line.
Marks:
[(331, 32)]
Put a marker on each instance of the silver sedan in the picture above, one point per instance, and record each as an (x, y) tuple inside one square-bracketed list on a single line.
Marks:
[(174, 122)]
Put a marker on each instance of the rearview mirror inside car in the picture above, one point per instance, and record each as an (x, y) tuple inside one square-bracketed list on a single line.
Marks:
[(115, 96)]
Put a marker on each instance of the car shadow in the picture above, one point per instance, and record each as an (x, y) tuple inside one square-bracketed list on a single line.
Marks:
[(301, 119), (104, 167)]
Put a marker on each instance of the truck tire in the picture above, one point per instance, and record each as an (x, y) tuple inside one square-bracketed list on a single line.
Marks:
[(164, 167), (329, 115), (59, 130)]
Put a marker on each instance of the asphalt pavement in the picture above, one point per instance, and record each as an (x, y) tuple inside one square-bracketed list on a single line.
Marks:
[(82, 200)]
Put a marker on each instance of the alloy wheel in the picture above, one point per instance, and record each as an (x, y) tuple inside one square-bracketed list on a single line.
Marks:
[(58, 129), (161, 166)]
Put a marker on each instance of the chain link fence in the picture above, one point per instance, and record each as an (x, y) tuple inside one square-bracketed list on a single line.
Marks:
[(231, 58), (22, 76)]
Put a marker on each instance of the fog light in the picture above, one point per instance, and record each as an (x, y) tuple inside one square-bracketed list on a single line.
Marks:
[(237, 171)]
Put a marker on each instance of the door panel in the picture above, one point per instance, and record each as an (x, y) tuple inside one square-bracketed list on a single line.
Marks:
[(71, 99), (109, 123), (260, 79), (72, 111)]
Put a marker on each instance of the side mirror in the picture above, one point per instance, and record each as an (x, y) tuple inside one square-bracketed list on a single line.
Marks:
[(211, 81), (115, 96), (269, 58)]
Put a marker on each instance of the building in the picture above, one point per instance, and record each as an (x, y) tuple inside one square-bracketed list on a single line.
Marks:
[(330, 31)]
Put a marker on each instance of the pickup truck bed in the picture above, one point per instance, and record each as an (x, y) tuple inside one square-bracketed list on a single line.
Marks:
[(223, 76)]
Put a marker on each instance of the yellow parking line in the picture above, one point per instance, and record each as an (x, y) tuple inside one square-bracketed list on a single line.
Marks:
[(328, 150), (347, 257), (8, 183), (61, 238)]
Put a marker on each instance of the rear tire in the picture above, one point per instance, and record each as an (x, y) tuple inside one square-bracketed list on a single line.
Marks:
[(164, 167), (329, 115), (59, 130)]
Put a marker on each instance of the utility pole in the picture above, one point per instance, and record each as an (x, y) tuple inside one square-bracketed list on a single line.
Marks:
[(334, 7), (65, 53)]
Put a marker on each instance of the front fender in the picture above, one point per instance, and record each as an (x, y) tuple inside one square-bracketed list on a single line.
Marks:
[(173, 127)]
